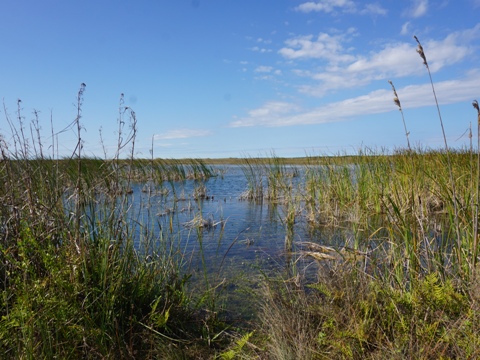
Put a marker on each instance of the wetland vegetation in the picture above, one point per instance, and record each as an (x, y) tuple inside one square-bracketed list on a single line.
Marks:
[(329, 257)]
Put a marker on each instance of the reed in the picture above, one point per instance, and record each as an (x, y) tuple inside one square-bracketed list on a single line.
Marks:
[(396, 100), (477, 192), (393, 253), (451, 177), (253, 171), (83, 274), (414, 218)]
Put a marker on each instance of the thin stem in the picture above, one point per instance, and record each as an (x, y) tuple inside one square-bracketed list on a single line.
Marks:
[(79, 168), (477, 197), (452, 181), (397, 102)]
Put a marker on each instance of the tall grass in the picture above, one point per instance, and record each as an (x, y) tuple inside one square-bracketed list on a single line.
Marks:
[(412, 217), (476, 184), (390, 284), (393, 239), (81, 276)]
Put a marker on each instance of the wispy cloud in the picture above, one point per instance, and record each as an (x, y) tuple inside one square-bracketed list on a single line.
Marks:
[(181, 134), (324, 46), (264, 69), (405, 28), (342, 68), (329, 6), (379, 101), (419, 8), (260, 49), (325, 5), (270, 113), (264, 41), (373, 9)]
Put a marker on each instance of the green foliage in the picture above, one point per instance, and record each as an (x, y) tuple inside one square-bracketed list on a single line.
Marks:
[(74, 284), (237, 349), (356, 317)]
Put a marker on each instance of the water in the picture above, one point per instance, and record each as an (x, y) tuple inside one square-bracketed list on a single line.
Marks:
[(243, 228), (247, 242), (249, 236)]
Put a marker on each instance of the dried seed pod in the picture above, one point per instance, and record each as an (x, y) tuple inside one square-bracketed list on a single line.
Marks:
[(421, 52), (475, 105), (395, 99)]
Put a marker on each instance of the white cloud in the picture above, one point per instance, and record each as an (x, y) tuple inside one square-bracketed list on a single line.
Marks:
[(393, 60), (447, 52), (260, 50), (264, 41), (264, 69), (379, 101), (270, 112), (405, 28), (325, 5), (267, 72), (324, 46), (401, 59), (181, 134), (349, 6), (342, 69), (419, 8), (373, 9)]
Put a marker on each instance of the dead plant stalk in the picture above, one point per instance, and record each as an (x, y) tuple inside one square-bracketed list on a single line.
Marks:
[(421, 52)]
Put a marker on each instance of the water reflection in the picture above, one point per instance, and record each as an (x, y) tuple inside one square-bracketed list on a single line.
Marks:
[(242, 228)]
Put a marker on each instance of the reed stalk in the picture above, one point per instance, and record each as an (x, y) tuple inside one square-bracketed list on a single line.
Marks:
[(477, 192), (78, 150), (421, 52), (396, 100), (102, 283)]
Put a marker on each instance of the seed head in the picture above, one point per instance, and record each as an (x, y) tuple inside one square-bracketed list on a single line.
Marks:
[(395, 99), (421, 52), (475, 105), (397, 102)]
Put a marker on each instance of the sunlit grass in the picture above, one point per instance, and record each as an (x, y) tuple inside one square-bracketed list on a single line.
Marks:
[(393, 250)]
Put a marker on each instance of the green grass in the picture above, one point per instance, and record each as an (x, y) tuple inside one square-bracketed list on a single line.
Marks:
[(398, 279), (413, 296), (76, 282), (105, 299)]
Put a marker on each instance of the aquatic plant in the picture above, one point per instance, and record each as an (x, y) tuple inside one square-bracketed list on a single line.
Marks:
[(81, 273), (421, 52), (390, 268), (396, 100)]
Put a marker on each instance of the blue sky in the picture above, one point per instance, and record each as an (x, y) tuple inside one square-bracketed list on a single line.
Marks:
[(225, 78)]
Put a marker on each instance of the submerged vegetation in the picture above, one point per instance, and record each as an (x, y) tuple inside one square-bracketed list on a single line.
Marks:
[(86, 272)]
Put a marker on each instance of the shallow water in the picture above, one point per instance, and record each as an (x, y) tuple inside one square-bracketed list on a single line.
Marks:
[(243, 228), (248, 240), (249, 236)]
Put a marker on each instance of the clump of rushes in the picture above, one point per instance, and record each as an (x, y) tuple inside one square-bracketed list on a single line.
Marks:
[(253, 171)]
